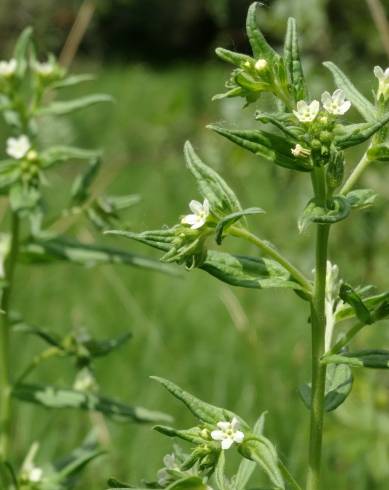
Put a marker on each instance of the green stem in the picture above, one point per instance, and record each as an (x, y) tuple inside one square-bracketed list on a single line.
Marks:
[(318, 322), (268, 250), (5, 381)]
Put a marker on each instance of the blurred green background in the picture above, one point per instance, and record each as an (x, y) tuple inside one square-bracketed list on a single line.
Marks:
[(246, 350)]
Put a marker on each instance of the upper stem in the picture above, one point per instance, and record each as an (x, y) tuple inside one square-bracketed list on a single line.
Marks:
[(5, 381)]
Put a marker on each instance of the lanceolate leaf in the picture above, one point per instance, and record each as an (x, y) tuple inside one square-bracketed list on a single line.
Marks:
[(191, 435), (266, 145), (339, 381), (231, 219), (247, 272), (81, 185), (316, 214), (221, 198), (355, 134), (237, 59), (364, 107), (372, 303), (361, 198), (375, 359), (202, 410), (57, 154), (73, 80), (46, 251), (21, 50), (260, 47), (61, 108), (293, 63), (159, 239), (53, 397)]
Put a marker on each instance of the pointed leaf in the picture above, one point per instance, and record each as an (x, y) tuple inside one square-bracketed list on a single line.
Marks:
[(355, 134), (57, 154), (21, 50), (73, 80), (375, 359), (192, 435), (81, 186), (293, 63), (363, 106), (231, 219), (261, 49), (351, 297), (61, 108), (316, 214), (361, 198), (379, 153)]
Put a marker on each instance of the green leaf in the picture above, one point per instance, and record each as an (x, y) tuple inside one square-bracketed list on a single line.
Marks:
[(339, 381), (379, 153), (57, 154), (231, 219), (355, 134), (221, 198), (237, 59), (247, 272), (316, 214), (375, 359), (220, 477), (115, 484), (263, 452), (46, 251), (191, 435), (101, 348), (23, 197), (247, 467), (345, 312), (9, 174), (351, 297), (361, 198), (73, 80), (81, 186), (188, 483), (61, 108), (53, 397), (159, 239), (266, 145), (21, 50), (49, 337), (293, 63), (363, 106), (202, 410), (259, 46)]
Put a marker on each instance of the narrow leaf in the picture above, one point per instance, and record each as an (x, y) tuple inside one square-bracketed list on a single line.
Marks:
[(293, 63), (351, 297), (375, 359), (361, 198), (57, 154), (231, 219), (259, 45), (61, 108)]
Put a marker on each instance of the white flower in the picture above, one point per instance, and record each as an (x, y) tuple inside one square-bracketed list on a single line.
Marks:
[(8, 68), (35, 474), (44, 69), (307, 112), (18, 147), (335, 103), (300, 151), (332, 305), (383, 81), (260, 65), (228, 433), (199, 216)]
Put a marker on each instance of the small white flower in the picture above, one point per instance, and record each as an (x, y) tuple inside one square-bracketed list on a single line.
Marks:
[(45, 69), (199, 216), (261, 64), (18, 147), (300, 151), (8, 68), (35, 474), (383, 81), (228, 433), (307, 112), (336, 103)]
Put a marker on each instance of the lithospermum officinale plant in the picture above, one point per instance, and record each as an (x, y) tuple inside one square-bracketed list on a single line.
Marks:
[(305, 135), (27, 88)]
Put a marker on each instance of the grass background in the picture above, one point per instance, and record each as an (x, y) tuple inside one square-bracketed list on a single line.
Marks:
[(242, 349)]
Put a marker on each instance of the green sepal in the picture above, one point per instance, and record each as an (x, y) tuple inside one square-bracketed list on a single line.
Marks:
[(355, 134), (266, 145), (351, 297), (203, 411), (263, 452), (56, 398), (222, 199), (379, 153), (338, 386), (361, 198), (65, 249), (372, 358), (319, 215), (190, 435), (232, 218), (294, 133), (293, 63), (363, 106), (259, 45), (58, 154), (247, 272), (60, 108)]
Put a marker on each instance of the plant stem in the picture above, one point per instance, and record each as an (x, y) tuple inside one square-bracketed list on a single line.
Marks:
[(318, 322), (269, 250), (5, 381)]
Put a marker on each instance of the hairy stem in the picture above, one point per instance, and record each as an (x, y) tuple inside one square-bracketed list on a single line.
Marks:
[(318, 321), (268, 250), (5, 382)]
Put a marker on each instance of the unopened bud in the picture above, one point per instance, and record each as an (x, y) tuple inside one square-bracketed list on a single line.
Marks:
[(261, 64)]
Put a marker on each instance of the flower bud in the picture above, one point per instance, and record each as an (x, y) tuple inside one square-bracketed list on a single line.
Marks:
[(260, 65)]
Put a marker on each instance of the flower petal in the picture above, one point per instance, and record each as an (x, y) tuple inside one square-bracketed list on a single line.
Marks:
[(238, 436), (227, 443), (224, 425), (195, 206), (218, 435), (189, 219), (379, 72)]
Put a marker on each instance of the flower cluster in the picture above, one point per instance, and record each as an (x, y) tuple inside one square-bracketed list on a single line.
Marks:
[(335, 104), (383, 82), (45, 70)]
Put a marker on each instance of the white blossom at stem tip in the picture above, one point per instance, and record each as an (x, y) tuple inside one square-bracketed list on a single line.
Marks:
[(336, 103), (228, 433), (300, 151), (18, 147), (260, 64), (8, 68), (383, 81), (44, 69), (307, 112), (199, 216)]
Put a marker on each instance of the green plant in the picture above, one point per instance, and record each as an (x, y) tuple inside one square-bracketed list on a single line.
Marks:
[(27, 89), (301, 135)]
